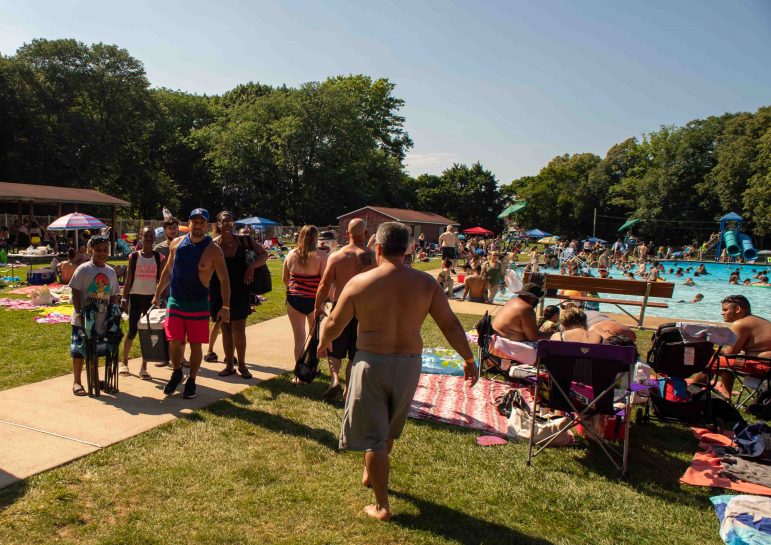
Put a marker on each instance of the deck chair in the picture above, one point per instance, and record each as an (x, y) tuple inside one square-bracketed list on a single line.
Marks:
[(750, 371), (562, 367), (486, 360)]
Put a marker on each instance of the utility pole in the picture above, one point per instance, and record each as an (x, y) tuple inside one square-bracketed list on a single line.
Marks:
[(594, 225)]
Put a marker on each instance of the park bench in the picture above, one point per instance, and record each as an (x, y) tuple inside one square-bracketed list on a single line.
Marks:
[(640, 288)]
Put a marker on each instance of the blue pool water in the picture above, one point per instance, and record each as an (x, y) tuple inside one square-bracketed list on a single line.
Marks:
[(714, 287)]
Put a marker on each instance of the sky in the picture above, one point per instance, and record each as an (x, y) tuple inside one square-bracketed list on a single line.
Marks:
[(510, 84)]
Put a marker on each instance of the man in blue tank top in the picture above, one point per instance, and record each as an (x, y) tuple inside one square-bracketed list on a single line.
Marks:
[(192, 262)]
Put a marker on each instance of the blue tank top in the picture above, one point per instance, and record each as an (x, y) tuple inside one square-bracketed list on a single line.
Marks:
[(185, 282)]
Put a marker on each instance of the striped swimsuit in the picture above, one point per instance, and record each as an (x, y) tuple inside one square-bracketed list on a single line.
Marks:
[(301, 292)]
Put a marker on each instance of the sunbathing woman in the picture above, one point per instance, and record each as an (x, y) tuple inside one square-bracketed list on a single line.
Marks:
[(302, 272), (575, 328)]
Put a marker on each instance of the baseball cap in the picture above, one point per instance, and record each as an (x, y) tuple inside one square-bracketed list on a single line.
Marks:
[(326, 235), (531, 289), (202, 212)]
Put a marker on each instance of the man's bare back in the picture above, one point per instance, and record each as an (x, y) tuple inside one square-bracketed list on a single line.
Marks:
[(350, 260), (754, 336), (516, 321), (476, 286)]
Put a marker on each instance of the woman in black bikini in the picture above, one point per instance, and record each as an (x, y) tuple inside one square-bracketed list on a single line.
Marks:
[(302, 272), (575, 328)]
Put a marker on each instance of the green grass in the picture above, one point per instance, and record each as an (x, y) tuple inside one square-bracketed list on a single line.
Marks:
[(262, 467)]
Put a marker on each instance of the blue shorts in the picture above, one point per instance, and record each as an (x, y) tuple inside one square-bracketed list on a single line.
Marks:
[(76, 343)]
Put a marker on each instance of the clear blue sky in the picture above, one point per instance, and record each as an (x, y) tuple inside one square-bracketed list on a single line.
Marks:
[(510, 84)]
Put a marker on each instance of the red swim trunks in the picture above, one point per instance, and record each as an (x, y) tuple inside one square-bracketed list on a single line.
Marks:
[(753, 368), (187, 320)]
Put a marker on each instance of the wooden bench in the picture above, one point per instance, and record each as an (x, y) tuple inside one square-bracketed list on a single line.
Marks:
[(585, 284)]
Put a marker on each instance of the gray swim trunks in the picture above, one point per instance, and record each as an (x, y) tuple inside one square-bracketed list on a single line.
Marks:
[(378, 399)]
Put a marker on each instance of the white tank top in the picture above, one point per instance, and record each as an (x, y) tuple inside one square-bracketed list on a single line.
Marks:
[(144, 276)]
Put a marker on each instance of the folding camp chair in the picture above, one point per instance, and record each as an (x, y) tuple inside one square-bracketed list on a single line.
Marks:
[(564, 366), (750, 371), (488, 361)]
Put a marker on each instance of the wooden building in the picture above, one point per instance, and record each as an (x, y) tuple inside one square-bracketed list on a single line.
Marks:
[(428, 223)]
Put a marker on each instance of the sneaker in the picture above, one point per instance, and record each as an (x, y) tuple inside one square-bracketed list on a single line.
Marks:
[(171, 386), (211, 356), (189, 392)]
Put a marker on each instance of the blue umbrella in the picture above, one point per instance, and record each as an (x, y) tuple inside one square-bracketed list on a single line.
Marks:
[(537, 233), (595, 240), (256, 221)]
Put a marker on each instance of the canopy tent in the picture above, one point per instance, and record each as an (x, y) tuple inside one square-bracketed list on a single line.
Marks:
[(75, 222), (513, 209), (536, 233), (256, 221), (549, 240), (732, 216), (477, 231), (630, 223)]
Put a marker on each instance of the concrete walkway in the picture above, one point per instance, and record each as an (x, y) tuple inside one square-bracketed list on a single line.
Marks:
[(43, 425)]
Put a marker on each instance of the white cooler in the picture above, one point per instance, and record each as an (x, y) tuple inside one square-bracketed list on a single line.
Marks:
[(152, 337)]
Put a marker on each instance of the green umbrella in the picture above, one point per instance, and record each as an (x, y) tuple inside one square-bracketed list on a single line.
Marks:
[(628, 224), (513, 209)]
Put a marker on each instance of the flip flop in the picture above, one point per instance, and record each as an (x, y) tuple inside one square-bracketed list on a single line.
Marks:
[(332, 392), (244, 372), (227, 371), (144, 375), (78, 390), (124, 370)]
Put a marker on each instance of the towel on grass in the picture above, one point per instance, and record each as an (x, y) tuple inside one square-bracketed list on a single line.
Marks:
[(744, 520), (18, 304), (446, 398), (441, 361), (54, 318)]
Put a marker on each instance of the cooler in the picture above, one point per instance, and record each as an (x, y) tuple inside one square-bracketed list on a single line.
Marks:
[(41, 277), (152, 337)]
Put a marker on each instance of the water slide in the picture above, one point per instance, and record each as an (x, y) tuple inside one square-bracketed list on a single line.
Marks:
[(737, 244)]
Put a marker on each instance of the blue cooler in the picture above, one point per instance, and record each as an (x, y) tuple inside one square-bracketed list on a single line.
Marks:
[(41, 277)]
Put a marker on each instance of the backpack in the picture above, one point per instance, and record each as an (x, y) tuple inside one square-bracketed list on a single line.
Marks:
[(761, 408), (133, 264), (307, 367)]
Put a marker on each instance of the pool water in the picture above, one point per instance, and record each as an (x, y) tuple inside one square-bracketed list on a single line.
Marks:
[(713, 286)]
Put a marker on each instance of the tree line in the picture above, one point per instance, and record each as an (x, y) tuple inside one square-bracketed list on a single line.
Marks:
[(86, 116)]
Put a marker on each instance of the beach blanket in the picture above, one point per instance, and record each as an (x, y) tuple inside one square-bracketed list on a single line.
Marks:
[(446, 398), (705, 468), (18, 304), (26, 290), (441, 361), (54, 318), (744, 520)]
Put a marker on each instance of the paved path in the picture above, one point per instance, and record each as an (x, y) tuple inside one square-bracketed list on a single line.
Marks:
[(43, 425)]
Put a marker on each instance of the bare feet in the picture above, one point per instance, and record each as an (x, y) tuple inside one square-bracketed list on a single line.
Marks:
[(365, 479), (380, 513)]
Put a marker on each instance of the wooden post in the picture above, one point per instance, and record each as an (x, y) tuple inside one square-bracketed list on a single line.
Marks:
[(59, 210), (644, 303), (113, 233)]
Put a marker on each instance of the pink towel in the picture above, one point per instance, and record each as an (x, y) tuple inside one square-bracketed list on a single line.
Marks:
[(18, 304)]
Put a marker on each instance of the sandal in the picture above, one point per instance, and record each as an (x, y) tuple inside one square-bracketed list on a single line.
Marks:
[(227, 371), (244, 372), (78, 390), (211, 356), (162, 364), (144, 375), (124, 370)]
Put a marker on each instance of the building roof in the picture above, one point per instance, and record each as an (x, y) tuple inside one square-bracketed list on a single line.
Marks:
[(407, 216), (50, 194)]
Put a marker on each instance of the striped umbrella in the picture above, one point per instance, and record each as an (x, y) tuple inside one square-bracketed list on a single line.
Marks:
[(75, 222)]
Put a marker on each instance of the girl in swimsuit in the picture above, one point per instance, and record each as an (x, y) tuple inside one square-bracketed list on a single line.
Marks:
[(302, 273), (575, 329)]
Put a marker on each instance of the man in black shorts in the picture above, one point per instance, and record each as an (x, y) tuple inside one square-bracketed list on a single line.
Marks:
[(448, 242), (350, 260)]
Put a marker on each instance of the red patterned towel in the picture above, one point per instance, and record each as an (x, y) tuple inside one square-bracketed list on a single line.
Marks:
[(447, 399)]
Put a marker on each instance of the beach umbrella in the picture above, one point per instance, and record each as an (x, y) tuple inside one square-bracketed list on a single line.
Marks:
[(477, 231), (256, 221), (549, 240), (513, 209), (595, 240), (537, 233), (630, 223), (75, 222)]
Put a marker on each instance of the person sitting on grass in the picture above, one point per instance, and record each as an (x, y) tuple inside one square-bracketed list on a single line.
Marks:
[(476, 287), (67, 268), (445, 278), (93, 283)]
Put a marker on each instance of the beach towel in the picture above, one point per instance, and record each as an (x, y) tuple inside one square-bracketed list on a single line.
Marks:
[(54, 318), (63, 310), (441, 361), (446, 398), (18, 304), (705, 469), (744, 520), (26, 290)]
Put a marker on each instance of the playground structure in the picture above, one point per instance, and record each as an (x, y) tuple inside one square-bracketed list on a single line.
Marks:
[(735, 243)]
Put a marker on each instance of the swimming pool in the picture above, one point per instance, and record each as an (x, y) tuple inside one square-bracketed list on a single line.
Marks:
[(713, 286)]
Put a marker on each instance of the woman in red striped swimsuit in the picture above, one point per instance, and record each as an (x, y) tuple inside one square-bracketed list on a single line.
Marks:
[(302, 272)]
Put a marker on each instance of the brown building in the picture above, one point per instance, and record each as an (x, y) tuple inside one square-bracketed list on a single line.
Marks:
[(432, 225)]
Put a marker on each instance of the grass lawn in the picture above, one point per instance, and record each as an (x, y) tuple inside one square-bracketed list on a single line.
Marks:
[(262, 467)]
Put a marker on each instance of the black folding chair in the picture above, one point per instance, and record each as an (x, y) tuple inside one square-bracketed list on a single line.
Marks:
[(487, 361), (567, 364), (750, 371)]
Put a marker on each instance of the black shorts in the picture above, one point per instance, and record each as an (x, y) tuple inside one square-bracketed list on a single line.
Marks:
[(138, 305), (345, 344), (448, 252)]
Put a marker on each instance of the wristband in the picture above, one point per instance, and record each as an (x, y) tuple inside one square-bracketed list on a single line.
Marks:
[(225, 308), (470, 360)]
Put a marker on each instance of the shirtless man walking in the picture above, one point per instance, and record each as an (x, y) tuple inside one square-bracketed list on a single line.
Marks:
[(390, 302), (448, 242), (350, 260), (192, 262), (516, 321)]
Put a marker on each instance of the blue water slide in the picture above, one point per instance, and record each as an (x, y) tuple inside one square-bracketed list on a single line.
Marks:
[(748, 250), (731, 243)]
